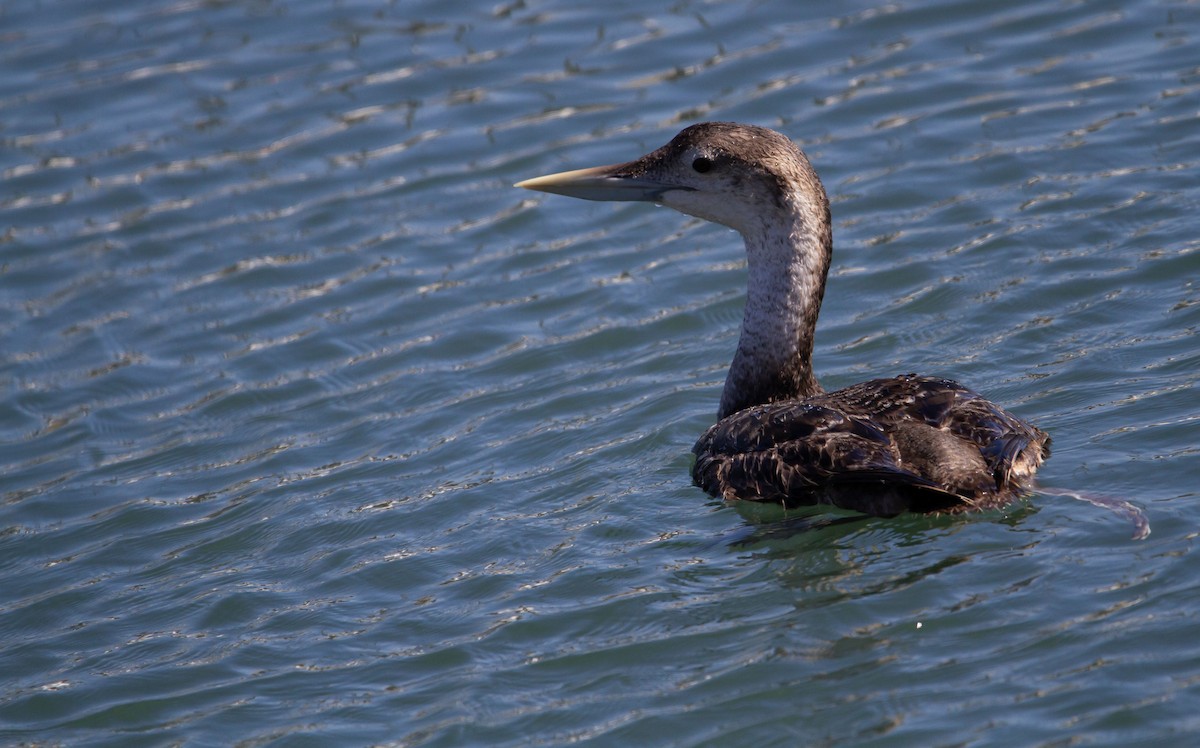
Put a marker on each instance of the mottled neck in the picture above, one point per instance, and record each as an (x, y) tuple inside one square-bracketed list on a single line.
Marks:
[(788, 261)]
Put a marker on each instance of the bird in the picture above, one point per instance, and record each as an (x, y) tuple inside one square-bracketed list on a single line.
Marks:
[(883, 447)]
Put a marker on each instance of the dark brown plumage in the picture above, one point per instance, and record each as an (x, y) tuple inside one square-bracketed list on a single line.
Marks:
[(880, 447)]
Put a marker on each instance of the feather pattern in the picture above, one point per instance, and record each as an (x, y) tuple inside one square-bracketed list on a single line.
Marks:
[(881, 447)]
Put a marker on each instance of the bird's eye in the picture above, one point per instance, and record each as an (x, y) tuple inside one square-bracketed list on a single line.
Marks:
[(702, 165)]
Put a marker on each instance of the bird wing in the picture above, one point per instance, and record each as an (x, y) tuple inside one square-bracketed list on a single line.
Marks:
[(1011, 447), (797, 453), (842, 448)]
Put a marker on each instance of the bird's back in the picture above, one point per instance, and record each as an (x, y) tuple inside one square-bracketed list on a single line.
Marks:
[(881, 447)]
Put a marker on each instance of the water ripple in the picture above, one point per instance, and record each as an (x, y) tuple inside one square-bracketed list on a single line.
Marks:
[(316, 429)]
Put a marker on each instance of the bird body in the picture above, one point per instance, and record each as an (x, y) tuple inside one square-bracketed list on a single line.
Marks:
[(881, 447)]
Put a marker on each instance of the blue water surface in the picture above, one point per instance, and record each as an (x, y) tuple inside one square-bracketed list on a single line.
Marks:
[(315, 431)]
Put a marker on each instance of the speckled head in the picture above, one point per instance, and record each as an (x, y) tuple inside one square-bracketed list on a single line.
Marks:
[(724, 172)]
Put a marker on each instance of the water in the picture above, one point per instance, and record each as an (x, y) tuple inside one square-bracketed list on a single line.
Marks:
[(315, 431)]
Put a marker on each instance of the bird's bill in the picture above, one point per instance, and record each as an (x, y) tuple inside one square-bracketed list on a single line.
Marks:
[(613, 182)]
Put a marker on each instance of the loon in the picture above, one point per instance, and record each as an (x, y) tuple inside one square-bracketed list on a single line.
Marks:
[(882, 447)]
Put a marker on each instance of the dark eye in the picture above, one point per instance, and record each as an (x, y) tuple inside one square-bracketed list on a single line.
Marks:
[(702, 165)]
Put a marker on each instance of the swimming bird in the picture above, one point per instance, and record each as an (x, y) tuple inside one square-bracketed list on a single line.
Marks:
[(882, 447)]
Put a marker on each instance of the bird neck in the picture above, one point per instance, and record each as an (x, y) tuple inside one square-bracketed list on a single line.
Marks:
[(788, 261)]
